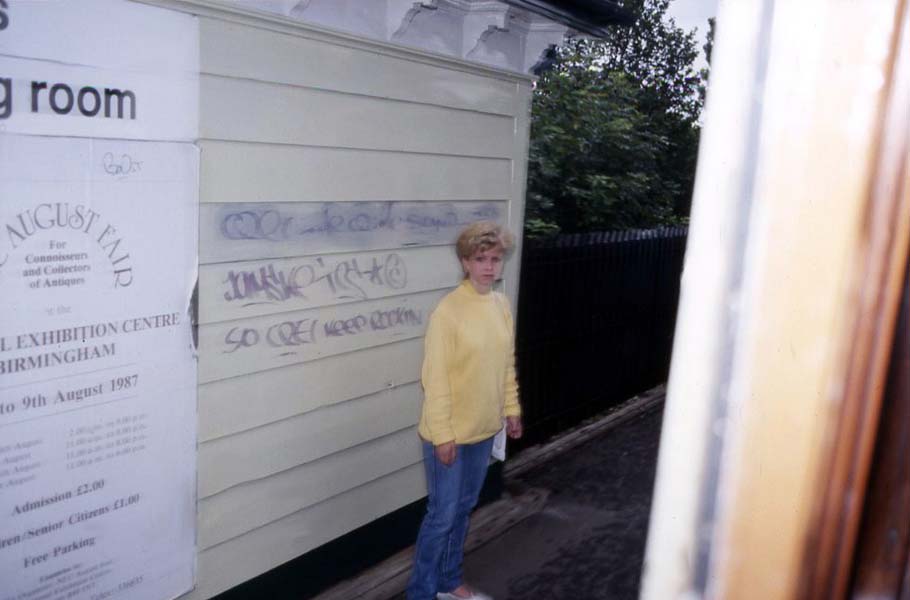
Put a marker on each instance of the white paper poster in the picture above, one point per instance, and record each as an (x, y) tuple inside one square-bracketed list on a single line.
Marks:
[(98, 68), (97, 368), (98, 247)]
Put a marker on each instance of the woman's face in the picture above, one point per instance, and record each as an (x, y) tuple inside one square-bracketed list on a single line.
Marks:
[(483, 268)]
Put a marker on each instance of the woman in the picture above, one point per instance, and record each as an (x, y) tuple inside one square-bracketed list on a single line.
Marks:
[(469, 387)]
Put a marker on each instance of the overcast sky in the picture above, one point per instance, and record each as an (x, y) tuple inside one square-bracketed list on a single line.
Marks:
[(690, 14)]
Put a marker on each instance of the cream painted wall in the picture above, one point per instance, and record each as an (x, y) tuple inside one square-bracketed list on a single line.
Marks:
[(335, 173)]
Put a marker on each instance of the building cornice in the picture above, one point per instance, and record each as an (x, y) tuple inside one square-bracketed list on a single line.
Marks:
[(479, 36)]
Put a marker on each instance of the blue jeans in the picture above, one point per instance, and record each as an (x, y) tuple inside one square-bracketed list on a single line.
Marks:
[(452, 494)]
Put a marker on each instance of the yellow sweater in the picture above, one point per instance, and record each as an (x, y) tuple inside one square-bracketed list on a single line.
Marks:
[(468, 368)]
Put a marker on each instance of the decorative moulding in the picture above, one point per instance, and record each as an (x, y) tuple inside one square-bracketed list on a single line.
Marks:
[(254, 15), (481, 31)]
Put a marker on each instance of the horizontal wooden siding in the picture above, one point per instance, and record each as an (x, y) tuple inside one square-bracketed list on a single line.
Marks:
[(333, 181)]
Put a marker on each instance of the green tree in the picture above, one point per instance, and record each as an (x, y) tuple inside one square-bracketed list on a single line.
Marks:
[(614, 129), (706, 72)]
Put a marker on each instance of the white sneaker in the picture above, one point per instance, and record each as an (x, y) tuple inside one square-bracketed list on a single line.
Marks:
[(475, 595)]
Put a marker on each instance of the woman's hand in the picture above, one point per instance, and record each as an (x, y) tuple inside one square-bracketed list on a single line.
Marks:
[(445, 453), (513, 427)]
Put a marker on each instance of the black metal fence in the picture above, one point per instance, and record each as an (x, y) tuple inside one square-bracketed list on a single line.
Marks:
[(596, 314)]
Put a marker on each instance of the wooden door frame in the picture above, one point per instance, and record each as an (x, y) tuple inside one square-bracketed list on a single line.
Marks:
[(878, 284), (798, 245)]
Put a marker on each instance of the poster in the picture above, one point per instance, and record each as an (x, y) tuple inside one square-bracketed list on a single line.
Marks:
[(98, 68), (97, 368), (98, 246)]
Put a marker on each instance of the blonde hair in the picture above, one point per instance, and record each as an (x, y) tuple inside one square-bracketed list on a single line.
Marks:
[(480, 237)]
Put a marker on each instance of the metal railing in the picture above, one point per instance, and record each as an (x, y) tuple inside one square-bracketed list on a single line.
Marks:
[(596, 314)]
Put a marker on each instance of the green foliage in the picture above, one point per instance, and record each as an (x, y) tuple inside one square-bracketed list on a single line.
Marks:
[(614, 130), (705, 73)]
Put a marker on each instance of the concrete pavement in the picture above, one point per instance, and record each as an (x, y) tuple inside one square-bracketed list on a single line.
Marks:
[(572, 524), (588, 541)]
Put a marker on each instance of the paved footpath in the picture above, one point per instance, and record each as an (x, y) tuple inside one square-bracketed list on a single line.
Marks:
[(571, 526), (588, 540)]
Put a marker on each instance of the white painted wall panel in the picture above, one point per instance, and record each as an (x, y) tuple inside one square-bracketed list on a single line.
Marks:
[(232, 232), (234, 348), (241, 403), (254, 288), (251, 111), (262, 549), (334, 179), (269, 449), (516, 206), (253, 172), (248, 506), (240, 51)]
